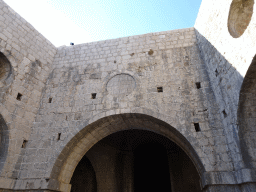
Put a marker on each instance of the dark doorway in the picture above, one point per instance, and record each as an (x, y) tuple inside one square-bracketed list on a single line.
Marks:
[(135, 161), (84, 179), (151, 170)]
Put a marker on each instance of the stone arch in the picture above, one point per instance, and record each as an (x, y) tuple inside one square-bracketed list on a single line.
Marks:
[(101, 126), (247, 116), (5, 70), (239, 18), (4, 142)]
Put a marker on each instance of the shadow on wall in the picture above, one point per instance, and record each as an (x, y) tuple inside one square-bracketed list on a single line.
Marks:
[(4, 142), (226, 83)]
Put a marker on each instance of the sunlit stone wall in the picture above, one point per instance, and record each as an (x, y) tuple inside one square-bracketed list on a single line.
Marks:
[(25, 61), (227, 40)]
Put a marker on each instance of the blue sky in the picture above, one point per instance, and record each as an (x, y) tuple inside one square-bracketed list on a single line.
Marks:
[(81, 21)]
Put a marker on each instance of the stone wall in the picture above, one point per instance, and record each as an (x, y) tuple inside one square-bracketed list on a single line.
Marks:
[(158, 73), (25, 58), (227, 58), (226, 37), (183, 84)]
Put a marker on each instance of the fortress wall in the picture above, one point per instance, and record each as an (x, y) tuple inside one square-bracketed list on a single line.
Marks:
[(48, 96), (227, 59), (125, 74), (30, 56)]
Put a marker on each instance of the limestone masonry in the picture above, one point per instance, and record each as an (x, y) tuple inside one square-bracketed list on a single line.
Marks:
[(72, 118)]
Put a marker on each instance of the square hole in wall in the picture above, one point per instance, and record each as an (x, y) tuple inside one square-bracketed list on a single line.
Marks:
[(224, 113), (197, 127), (159, 89), (94, 95), (216, 72), (198, 85), (50, 100), (19, 96), (186, 58), (58, 138), (24, 144)]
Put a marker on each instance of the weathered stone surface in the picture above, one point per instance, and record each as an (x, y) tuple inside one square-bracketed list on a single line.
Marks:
[(195, 86)]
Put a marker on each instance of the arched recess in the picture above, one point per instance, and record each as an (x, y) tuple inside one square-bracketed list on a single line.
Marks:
[(6, 74), (240, 15), (84, 177), (4, 142), (5, 70), (73, 152), (247, 116)]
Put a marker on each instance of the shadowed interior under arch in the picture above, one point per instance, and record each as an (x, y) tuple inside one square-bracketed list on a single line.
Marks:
[(92, 133), (137, 160), (84, 178)]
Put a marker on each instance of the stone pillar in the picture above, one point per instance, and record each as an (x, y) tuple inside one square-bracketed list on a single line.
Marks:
[(113, 168), (103, 159), (128, 172), (171, 172)]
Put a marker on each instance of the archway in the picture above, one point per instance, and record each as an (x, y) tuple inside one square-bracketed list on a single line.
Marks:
[(81, 143), (5, 68), (137, 160), (247, 116), (84, 178), (6, 75)]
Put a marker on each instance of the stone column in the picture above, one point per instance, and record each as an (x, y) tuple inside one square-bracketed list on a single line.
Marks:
[(171, 172), (103, 159), (128, 172)]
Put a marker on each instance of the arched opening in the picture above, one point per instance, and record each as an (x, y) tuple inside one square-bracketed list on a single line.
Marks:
[(247, 116), (240, 15), (151, 169), (6, 76), (4, 141), (97, 128), (138, 160), (84, 179), (5, 68)]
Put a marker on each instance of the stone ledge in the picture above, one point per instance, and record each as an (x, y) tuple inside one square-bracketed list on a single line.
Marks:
[(7, 183), (228, 178), (239, 177), (248, 187), (33, 184)]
